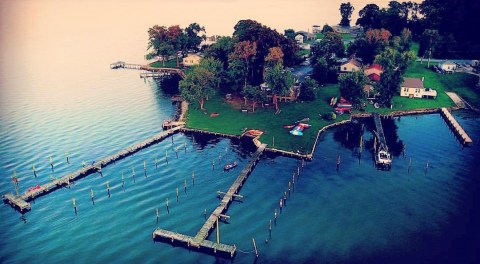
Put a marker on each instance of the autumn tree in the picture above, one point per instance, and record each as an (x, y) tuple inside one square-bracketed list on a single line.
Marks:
[(245, 50), (197, 85), (346, 10), (352, 85)]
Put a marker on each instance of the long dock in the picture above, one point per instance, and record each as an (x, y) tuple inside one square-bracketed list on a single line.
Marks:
[(457, 129), (199, 241), (21, 202), (381, 136)]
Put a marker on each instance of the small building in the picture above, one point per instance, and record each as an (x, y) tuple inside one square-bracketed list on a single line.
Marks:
[(316, 29), (374, 77), (299, 38), (447, 66), (307, 35), (413, 88), (374, 68), (191, 60), (351, 65)]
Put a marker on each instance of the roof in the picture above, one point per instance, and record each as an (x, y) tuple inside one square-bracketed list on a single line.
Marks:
[(374, 77), (412, 83), (375, 66), (354, 62), (368, 88), (447, 62)]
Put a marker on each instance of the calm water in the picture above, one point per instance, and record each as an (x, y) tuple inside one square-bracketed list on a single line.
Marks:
[(57, 96)]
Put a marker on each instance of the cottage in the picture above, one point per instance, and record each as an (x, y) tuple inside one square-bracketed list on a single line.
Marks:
[(350, 66), (299, 38), (374, 68), (447, 66), (413, 88), (316, 29), (191, 60)]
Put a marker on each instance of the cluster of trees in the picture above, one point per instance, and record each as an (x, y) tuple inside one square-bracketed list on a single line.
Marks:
[(165, 42), (255, 54), (444, 28), (325, 55)]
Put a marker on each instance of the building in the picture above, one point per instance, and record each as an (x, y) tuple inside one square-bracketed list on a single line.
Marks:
[(191, 60), (374, 68), (351, 65), (210, 40), (316, 29), (299, 38), (413, 88), (447, 66), (307, 35)]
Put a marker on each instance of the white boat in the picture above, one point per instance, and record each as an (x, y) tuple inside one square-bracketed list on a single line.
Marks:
[(383, 159)]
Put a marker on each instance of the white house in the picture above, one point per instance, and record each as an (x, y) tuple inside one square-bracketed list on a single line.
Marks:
[(316, 29), (413, 88), (350, 66), (299, 38), (447, 66), (191, 60)]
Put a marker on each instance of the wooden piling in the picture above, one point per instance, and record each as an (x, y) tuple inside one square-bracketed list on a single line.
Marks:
[(157, 215), (168, 211), (193, 177), (177, 194), (255, 247), (74, 205), (108, 189)]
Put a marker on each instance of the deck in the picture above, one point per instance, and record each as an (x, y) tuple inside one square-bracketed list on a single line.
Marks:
[(199, 240), (21, 202), (455, 126), (381, 136)]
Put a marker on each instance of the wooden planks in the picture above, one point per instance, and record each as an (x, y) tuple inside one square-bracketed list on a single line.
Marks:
[(465, 139)]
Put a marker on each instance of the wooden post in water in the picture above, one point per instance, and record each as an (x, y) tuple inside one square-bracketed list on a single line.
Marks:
[(66, 154), (218, 233), (92, 196), (177, 194), (166, 155), (213, 164), (289, 188), (185, 185), (108, 189), (123, 180), (338, 162), (275, 215), (168, 211), (205, 213), (74, 205), (193, 177), (281, 205), (255, 247), (156, 162), (145, 168), (157, 215), (34, 170), (51, 162), (133, 174), (176, 152), (15, 181)]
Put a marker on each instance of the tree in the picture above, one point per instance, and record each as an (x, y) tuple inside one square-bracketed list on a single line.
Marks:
[(326, 28), (220, 50), (165, 50), (330, 46), (352, 85), (215, 67), (157, 36), (275, 55), (290, 33), (389, 85), (368, 17), (391, 58), (307, 90), (245, 50), (197, 85), (429, 42), (320, 70), (194, 36), (236, 72), (279, 80), (254, 94), (174, 38), (346, 10)]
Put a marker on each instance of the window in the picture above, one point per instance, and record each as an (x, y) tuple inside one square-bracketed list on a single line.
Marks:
[(344, 68)]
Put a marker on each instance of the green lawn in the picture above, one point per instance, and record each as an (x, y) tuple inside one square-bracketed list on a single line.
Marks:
[(233, 121), (319, 35), (168, 64)]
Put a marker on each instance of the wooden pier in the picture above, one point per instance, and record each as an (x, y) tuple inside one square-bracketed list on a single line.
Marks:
[(21, 202), (199, 240), (457, 129), (149, 72), (124, 65)]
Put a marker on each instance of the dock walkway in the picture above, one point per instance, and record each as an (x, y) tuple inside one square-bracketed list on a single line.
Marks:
[(457, 129), (21, 202), (199, 241), (381, 136)]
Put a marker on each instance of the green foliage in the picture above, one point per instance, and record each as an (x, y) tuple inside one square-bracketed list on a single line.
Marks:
[(346, 10), (307, 90), (326, 28), (194, 35), (331, 45), (220, 50), (215, 67), (254, 94), (290, 33), (197, 85), (237, 73), (389, 85), (392, 59), (279, 80), (320, 70), (330, 116), (352, 85)]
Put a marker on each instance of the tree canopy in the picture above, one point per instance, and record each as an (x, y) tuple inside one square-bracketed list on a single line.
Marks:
[(351, 87), (197, 85), (346, 10)]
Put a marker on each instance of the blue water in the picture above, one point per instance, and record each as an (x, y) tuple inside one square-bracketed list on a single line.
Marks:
[(69, 101)]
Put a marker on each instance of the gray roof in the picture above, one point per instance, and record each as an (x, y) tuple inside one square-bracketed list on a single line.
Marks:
[(412, 83)]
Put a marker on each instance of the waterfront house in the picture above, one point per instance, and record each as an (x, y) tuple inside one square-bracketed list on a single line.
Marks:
[(351, 65), (447, 66), (307, 35), (414, 88), (374, 68), (191, 60), (299, 38)]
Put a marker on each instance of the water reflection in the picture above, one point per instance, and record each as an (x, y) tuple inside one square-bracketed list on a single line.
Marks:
[(349, 135)]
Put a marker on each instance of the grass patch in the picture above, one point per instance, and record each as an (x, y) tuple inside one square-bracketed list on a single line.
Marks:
[(168, 64), (303, 52), (233, 121), (346, 36), (319, 35)]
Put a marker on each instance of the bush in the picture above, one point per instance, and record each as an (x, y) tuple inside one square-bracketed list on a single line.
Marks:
[(330, 116)]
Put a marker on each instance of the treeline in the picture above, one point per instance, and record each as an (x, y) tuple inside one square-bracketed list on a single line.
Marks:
[(444, 28)]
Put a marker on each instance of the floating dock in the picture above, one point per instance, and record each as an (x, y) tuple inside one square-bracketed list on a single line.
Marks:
[(199, 241), (457, 129), (21, 202)]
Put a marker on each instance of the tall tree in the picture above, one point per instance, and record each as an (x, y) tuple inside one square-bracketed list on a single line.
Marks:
[(165, 50), (389, 85), (326, 28), (220, 50), (194, 34), (351, 87), (254, 94), (215, 67), (174, 36), (290, 33), (245, 50), (429, 42), (346, 10), (157, 36), (307, 90), (275, 55), (279, 80), (197, 85), (320, 70), (368, 17)]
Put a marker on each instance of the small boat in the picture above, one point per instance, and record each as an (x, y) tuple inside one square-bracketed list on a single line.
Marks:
[(288, 126), (383, 159), (341, 110), (230, 166), (255, 132)]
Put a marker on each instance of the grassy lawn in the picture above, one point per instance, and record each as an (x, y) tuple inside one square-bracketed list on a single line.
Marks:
[(319, 35), (346, 36), (233, 121), (168, 64), (303, 52)]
